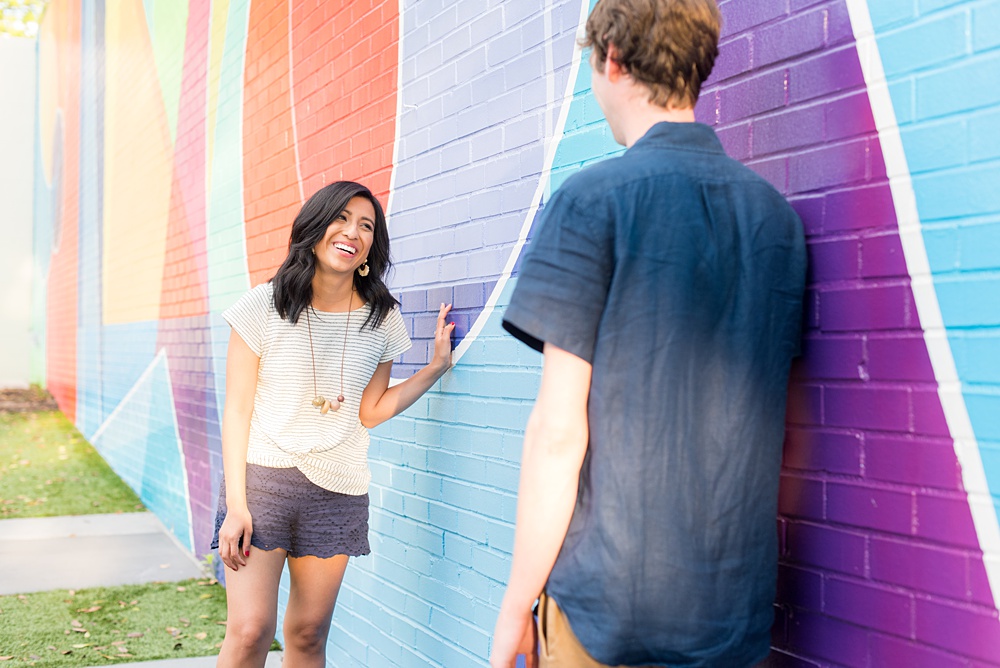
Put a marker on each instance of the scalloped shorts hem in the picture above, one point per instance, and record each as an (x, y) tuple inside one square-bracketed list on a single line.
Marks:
[(292, 513)]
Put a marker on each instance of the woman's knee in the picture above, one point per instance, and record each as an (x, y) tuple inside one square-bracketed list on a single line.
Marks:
[(251, 633), (307, 635)]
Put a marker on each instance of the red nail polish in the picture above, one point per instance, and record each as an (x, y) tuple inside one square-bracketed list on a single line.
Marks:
[(247, 553), (452, 324)]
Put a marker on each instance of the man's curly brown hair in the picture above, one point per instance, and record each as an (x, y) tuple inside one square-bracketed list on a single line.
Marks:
[(668, 45)]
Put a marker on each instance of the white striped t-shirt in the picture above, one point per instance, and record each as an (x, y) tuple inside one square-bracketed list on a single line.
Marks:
[(286, 430)]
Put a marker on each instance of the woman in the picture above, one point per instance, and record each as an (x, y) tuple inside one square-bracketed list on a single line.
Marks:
[(307, 374)]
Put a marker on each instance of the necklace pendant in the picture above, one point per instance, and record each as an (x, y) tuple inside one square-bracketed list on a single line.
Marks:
[(326, 407), (319, 401), (335, 403), (340, 398)]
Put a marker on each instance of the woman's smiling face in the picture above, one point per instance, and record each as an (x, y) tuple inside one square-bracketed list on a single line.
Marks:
[(348, 238)]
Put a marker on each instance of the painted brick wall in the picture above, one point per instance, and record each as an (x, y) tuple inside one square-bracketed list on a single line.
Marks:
[(176, 140)]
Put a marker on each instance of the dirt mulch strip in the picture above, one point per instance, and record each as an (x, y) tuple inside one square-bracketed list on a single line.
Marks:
[(26, 401)]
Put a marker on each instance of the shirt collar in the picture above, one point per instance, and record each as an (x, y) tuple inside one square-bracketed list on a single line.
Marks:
[(685, 136)]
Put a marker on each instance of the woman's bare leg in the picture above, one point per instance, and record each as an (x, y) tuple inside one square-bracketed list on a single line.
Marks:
[(314, 588), (252, 602)]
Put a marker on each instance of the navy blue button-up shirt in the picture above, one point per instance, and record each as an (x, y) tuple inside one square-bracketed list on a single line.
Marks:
[(678, 274)]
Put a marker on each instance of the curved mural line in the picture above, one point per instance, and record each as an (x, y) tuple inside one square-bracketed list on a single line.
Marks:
[(981, 504)]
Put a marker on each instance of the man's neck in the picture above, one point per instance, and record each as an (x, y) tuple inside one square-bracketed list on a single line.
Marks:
[(639, 118)]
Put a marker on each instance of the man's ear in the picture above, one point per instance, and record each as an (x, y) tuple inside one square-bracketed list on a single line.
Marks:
[(612, 69)]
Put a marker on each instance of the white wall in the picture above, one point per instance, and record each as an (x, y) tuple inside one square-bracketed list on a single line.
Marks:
[(17, 130)]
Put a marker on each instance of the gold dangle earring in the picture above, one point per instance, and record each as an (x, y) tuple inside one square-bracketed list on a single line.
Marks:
[(363, 270)]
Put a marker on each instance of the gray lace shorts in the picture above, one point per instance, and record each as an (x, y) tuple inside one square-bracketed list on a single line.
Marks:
[(291, 512)]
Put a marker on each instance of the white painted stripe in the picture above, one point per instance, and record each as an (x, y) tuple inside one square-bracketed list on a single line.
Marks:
[(180, 452), (399, 111), (552, 144), (935, 336), (291, 106), (162, 353)]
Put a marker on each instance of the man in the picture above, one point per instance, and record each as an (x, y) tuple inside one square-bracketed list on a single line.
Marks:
[(665, 288)]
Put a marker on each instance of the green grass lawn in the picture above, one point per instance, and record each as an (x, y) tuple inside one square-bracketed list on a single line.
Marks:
[(111, 625), (47, 469)]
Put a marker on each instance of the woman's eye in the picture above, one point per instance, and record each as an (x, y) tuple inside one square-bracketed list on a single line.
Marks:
[(368, 227)]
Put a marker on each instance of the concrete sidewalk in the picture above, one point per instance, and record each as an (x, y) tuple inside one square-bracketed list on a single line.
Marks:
[(40, 554)]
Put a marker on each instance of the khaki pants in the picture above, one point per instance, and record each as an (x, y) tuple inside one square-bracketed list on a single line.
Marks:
[(557, 644)]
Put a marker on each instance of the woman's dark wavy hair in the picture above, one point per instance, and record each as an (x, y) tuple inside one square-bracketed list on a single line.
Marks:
[(293, 281)]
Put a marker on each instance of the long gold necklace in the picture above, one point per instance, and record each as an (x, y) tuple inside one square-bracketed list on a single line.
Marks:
[(319, 401)]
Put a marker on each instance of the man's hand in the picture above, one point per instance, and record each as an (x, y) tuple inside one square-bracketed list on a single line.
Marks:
[(515, 634)]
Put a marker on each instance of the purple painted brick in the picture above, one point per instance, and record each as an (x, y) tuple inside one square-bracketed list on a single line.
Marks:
[(414, 301), (801, 497), (825, 548), (868, 207), (735, 57), (791, 129), (979, 590), (838, 25), (805, 404), (876, 161), (787, 39), (828, 638), (849, 116), (800, 588), (920, 567), (810, 210), (882, 256), (870, 507), (928, 415), (774, 170), (966, 630), (920, 462), (832, 72), (812, 450), (469, 295), (753, 96), (834, 260), (831, 357), (828, 166), (882, 408), (736, 140), (865, 308), (899, 357), (946, 519), (740, 16), (869, 605), (889, 651)]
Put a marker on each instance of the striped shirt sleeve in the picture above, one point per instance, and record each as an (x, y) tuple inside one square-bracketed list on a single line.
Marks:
[(397, 341), (248, 316)]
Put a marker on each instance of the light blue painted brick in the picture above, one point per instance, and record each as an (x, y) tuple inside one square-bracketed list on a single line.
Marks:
[(969, 302), (929, 6), (969, 85), (984, 411), (427, 486), (473, 640), (978, 355), (920, 45), (937, 145), (986, 26), (475, 584), (503, 476), (492, 564), (416, 508), (886, 13), (500, 536), (984, 139), (942, 248), (969, 191), (978, 246)]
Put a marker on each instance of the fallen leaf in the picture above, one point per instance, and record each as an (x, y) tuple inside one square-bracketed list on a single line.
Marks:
[(221, 623), (123, 650), (81, 645), (72, 592), (134, 635), (6, 658), (182, 589), (204, 596), (76, 622), (118, 642), (79, 630), (201, 636), (185, 621), (93, 608), (66, 651), (178, 645), (51, 648)]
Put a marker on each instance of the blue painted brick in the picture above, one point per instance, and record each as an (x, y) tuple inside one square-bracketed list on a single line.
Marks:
[(917, 46), (966, 86)]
